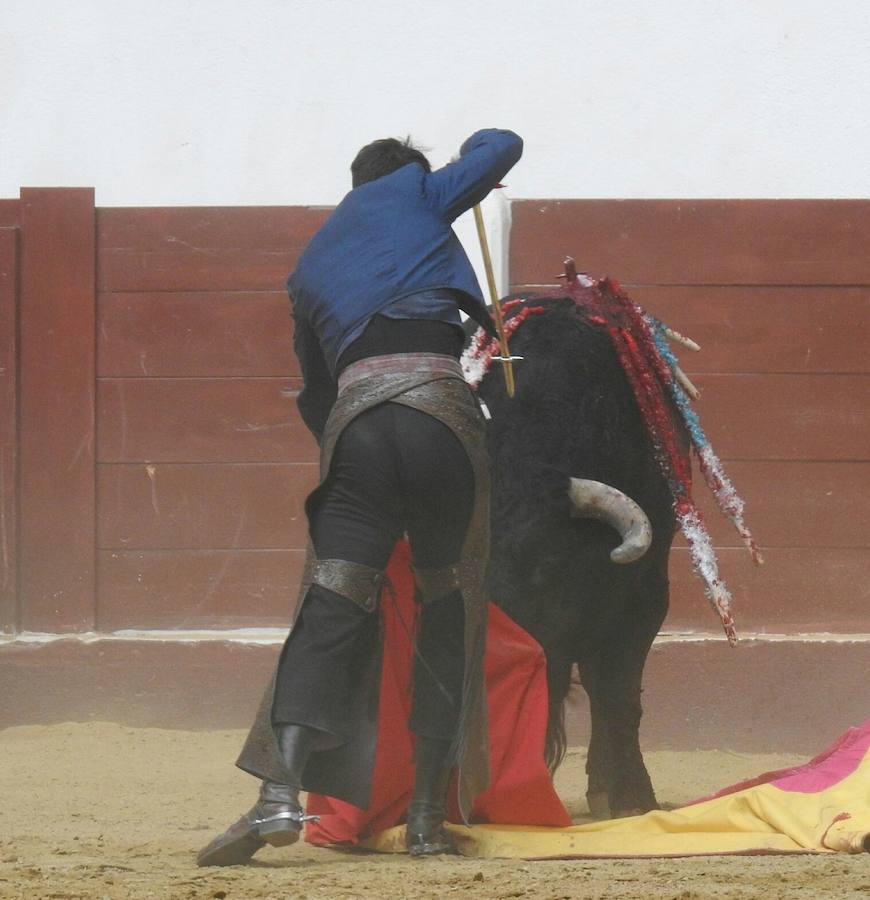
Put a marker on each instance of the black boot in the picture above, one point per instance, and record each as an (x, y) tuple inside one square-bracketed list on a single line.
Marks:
[(425, 834), (277, 817)]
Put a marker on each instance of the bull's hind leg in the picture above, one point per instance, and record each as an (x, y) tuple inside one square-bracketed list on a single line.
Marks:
[(618, 780)]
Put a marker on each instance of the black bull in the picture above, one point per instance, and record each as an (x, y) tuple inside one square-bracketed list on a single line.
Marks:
[(574, 414)]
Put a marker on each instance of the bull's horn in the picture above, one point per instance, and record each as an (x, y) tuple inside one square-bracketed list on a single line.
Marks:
[(594, 500)]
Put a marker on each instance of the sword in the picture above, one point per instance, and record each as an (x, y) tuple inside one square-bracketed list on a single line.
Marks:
[(505, 359)]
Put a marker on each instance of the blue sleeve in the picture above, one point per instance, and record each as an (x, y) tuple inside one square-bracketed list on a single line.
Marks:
[(484, 159)]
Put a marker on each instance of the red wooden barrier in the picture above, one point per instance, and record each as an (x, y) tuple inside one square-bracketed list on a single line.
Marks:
[(195, 589), (157, 474), (56, 502), (244, 248), (202, 459), (8, 429), (697, 242)]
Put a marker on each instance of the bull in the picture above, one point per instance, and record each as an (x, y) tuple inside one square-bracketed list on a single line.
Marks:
[(590, 596)]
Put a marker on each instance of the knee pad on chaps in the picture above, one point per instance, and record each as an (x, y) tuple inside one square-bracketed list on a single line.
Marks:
[(355, 582), (435, 584)]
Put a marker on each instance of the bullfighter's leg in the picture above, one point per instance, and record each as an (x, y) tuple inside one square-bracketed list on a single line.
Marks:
[(619, 783), (439, 500), (354, 527)]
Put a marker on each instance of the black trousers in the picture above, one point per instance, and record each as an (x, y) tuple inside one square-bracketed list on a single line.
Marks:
[(395, 470)]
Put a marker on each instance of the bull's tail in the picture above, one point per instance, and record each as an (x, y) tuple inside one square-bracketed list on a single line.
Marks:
[(556, 743)]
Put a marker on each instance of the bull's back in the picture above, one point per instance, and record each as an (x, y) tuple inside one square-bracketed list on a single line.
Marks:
[(573, 415)]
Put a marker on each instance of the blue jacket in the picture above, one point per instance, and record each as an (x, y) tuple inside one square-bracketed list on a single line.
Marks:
[(391, 238)]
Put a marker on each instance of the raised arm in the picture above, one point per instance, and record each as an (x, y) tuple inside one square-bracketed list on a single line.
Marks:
[(484, 159)]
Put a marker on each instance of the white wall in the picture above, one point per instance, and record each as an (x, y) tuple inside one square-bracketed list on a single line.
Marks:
[(266, 101)]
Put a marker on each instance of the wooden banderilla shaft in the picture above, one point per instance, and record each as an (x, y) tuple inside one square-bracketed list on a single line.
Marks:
[(496, 305)]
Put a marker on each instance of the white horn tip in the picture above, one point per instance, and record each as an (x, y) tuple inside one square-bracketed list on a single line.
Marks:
[(628, 552)]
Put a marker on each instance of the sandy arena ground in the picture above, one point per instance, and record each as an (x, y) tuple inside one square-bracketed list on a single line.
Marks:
[(103, 811)]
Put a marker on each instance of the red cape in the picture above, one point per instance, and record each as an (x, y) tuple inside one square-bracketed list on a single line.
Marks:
[(521, 792)]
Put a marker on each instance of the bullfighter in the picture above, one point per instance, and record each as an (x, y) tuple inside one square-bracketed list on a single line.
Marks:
[(376, 299)]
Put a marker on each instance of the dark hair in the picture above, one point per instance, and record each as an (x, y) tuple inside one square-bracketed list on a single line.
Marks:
[(381, 157)]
